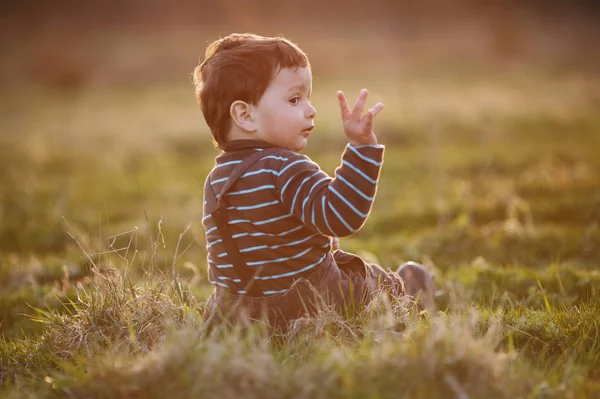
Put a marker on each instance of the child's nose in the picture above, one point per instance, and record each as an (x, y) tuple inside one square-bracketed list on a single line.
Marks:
[(312, 112)]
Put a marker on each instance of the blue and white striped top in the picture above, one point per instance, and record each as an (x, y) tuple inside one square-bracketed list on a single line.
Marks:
[(283, 210)]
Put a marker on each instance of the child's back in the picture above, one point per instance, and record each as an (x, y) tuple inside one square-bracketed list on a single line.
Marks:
[(283, 210)]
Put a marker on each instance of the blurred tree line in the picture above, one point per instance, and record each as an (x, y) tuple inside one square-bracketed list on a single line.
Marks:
[(66, 43)]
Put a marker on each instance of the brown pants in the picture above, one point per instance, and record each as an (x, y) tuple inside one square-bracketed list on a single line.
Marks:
[(344, 282)]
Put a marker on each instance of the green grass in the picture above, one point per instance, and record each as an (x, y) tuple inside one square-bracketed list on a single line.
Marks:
[(492, 182)]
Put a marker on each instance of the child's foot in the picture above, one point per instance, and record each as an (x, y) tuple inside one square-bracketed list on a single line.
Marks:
[(418, 283)]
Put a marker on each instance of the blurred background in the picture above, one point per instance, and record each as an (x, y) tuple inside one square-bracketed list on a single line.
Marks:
[(491, 126), (93, 89), (74, 44)]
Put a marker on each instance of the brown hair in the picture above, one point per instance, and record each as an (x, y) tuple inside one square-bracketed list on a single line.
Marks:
[(240, 67)]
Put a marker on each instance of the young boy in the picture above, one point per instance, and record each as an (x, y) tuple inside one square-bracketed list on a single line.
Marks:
[(269, 211)]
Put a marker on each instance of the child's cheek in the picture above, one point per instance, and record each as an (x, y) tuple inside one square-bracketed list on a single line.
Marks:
[(269, 119)]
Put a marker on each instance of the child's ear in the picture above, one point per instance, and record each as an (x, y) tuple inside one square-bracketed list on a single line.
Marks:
[(241, 116)]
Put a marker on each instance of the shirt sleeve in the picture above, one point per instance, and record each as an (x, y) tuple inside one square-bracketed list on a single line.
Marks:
[(337, 206)]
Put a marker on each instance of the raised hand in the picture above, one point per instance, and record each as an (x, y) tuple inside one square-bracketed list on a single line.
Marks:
[(358, 127)]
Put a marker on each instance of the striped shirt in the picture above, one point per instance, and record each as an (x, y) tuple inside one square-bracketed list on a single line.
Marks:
[(283, 209)]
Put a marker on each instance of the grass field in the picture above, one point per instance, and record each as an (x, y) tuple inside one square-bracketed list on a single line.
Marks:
[(492, 180)]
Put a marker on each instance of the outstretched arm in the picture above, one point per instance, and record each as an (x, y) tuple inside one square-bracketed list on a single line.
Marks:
[(337, 206)]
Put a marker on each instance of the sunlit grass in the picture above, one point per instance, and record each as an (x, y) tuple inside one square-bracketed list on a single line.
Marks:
[(492, 182)]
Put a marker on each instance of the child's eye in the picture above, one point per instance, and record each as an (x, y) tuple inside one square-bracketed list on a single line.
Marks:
[(295, 100)]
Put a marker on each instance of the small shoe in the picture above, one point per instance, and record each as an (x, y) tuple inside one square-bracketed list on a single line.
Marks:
[(418, 283)]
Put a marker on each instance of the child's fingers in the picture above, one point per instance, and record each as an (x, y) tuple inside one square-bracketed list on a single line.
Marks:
[(369, 121), (375, 110), (343, 104), (360, 104)]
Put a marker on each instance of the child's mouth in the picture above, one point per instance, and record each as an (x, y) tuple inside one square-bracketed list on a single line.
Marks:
[(306, 132)]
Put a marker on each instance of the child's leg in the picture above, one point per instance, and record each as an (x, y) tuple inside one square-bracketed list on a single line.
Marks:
[(418, 283), (410, 278), (367, 278), (379, 279)]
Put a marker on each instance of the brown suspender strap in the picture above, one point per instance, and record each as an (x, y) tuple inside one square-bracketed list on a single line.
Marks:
[(217, 205)]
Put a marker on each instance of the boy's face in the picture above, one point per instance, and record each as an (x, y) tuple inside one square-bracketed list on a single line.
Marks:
[(283, 115)]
